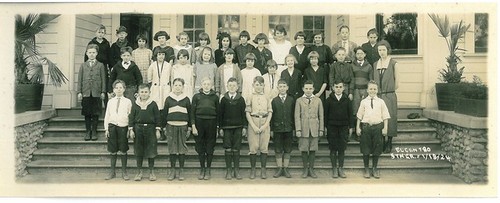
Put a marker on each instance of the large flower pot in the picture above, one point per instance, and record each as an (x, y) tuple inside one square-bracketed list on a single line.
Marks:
[(472, 107), (28, 97), (447, 94)]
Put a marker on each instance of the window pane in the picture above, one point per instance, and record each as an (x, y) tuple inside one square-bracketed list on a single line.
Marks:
[(278, 20), (400, 30), (199, 21), (481, 32), (308, 22), (188, 21), (319, 22), (231, 25), (197, 35), (190, 34), (309, 37)]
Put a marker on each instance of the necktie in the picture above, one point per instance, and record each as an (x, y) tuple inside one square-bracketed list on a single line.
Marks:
[(272, 81), (92, 63), (232, 97), (283, 99), (117, 104), (344, 44), (372, 103), (309, 98)]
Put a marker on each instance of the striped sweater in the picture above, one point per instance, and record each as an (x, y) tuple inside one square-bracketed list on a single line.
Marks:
[(176, 110)]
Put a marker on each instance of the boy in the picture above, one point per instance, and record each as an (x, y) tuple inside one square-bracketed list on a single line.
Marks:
[(345, 43), (259, 114), (103, 53), (121, 42), (115, 128), (144, 127), (342, 71), (282, 126), (338, 116), (243, 48), (204, 124), (362, 74), (370, 46), (233, 124), (127, 71), (371, 125), (309, 127)]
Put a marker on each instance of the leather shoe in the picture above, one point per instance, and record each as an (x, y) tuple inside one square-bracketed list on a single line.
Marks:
[(286, 173), (376, 173), (152, 176), (87, 136), (93, 136), (207, 174), (335, 173), (367, 173), (312, 173), (341, 173), (110, 176), (138, 177), (125, 175), (278, 173)]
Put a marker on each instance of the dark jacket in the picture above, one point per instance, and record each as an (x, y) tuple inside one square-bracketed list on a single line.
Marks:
[(294, 82), (204, 106), (371, 52), (103, 53), (303, 62), (283, 114), (115, 54), (338, 113), (131, 76), (241, 52), (91, 79), (149, 115), (232, 112)]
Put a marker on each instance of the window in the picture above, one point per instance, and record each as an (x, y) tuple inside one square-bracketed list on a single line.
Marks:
[(481, 32), (193, 26), (137, 24), (230, 24), (278, 20), (400, 30), (313, 24)]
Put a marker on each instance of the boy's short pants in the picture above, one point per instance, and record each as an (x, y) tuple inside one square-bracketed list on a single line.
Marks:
[(308, 144), (117, 140)]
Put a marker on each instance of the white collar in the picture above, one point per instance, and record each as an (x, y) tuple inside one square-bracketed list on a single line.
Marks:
[(126, 65), (177, 97), (383, 64), (145, 104), (312, 96)]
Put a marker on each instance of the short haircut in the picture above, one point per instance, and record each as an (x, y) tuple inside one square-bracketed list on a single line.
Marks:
[(373, 83), (344, 26), (319, 33), (126, 49), (121, 29), (101, 27), (200, 57), (161, 33), (291, 56), (157, 51), (118, 81), (250, 56), (183, 52), (258, 79), (143, 86), (300, 34), (308, 82), (259, 37), (244, 33), (207, 78), (223, 35), (271, 63), (282, 81), (280, 28), (204, 36), (141, 36), (93, 46), (229, 51), (336, 82), (339, 49), (386, 44), (178, 80), (182, 34), (372, 31), (312, 54), (232, 79), (359, 48)]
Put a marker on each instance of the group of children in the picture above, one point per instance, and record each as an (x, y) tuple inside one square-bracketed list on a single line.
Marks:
[(242, 92)]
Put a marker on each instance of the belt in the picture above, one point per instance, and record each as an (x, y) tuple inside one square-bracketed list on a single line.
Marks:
[(371, 125), (281, 64), (259, 116), (144, 124), (387, 92)]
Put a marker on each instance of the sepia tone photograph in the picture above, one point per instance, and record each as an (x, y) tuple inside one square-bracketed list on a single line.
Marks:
[(198, 99)]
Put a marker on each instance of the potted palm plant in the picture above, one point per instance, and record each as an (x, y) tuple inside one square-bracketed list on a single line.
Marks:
[(451, 76), (30, 64)]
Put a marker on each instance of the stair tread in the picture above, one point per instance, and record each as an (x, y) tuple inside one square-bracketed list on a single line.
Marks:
[(101, 118)]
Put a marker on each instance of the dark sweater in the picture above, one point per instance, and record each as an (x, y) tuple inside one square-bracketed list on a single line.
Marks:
[(241, 52), (205, 106), (294, 82), (303, 62), (371, 53), (283, 114), (150, 115), (115, 54), (232, 112), (103, 53), (175, 110), (221, 59), (338, 113), (341, 71), (261, 59), (131, 76), (169, 56)]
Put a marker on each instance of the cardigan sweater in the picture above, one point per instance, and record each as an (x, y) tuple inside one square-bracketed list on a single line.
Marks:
[(232, 112), (283, 114), (131, 76), (338, 112)]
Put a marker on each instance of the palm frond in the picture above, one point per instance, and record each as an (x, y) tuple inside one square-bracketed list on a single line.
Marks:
[(56, 77)]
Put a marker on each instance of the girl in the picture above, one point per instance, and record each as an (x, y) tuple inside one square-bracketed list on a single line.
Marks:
[(142, 56), (292, 76), (182, 69), (176, 116), (325, 53), (226, 71), (300, 51), (205, 67), (144, 118), (248, 74), (183, 39), (91, 90), (204, 41), (258, 112), (162, 37), (271, 79), (243, 48), (262, 53), (386, 76), (224, 44), (280, 47), (317, 74), (159, 78)]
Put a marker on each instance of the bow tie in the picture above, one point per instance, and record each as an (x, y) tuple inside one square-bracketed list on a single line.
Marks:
[(126, 63)]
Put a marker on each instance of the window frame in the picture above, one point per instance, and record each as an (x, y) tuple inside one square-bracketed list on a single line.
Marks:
[(379, 25)]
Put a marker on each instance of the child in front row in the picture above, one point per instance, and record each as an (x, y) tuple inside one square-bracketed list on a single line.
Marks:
[(371, 126), (92, 79), (144, 127), (127, 71), (176, 117), (362, 74), (338, 116), (115, 128), (282, 126), (309, 127), (259, 113), (232, 126)]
